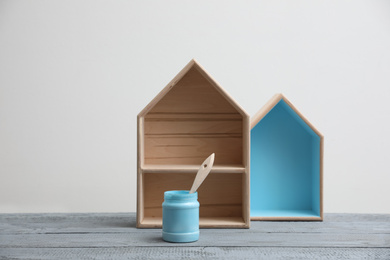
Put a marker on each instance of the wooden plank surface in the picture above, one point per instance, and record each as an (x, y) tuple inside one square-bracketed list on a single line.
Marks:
[(196, 253), (102, 236)]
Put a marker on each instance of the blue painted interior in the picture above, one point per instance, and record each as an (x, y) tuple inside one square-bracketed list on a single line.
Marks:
[(285, 166)]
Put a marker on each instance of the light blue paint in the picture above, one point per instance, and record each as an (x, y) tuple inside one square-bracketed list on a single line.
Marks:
[(284, 213), (316, 176), (285, 166), (180, 216)]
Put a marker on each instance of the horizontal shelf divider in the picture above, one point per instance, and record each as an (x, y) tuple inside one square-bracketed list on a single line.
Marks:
[(191, 169)]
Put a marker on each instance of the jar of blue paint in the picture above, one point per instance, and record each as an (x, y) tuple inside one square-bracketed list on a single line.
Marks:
[(180, 216)]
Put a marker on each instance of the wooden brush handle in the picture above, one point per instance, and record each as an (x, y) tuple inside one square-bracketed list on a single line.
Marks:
[(203, 171)]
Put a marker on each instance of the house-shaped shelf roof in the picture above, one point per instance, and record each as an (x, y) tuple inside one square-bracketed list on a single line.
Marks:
[(202, 95), (286, 164)]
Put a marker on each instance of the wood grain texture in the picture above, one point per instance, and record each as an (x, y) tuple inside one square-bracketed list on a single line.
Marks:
[(156, 168), (246, 176), (167, 88), (125, 222), (215, 237), (115, 236), (191, 118), (202, 173), (122, 221), (193, 93), (188, 140), (140, 163), (117, 222), (190, 149), (195, 253), (192, 127)]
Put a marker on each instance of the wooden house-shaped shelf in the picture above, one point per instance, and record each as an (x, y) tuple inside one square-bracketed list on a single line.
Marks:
[(286, 164), (191, 118)]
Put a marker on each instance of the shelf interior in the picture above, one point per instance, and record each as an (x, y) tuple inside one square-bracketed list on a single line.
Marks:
[(192, 121), (155, 168), (284, 213), (220, 195), (223, 222), (285, 165)]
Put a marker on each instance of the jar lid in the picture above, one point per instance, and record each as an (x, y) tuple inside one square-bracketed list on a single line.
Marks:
[(180, 195)]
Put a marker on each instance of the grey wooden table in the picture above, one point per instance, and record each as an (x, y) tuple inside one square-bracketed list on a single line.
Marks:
[(114, 236)]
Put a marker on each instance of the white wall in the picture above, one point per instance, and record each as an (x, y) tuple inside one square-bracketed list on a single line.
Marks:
[(74, 75)]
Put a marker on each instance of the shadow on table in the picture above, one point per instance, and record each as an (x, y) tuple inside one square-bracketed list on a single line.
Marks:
[(155, 239)]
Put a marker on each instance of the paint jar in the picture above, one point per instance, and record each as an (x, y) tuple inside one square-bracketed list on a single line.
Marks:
[(180, 216)]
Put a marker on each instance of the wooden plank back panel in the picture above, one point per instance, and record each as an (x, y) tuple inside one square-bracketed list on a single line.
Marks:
[(193, 127), (189, 149), (220, 195), (193, 94), (192, 116), (192, 121)]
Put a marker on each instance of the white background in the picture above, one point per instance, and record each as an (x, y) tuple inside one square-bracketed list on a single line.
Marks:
[(74, 75)]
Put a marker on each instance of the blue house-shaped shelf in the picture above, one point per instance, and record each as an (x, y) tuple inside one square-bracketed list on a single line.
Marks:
[(286, 164)]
